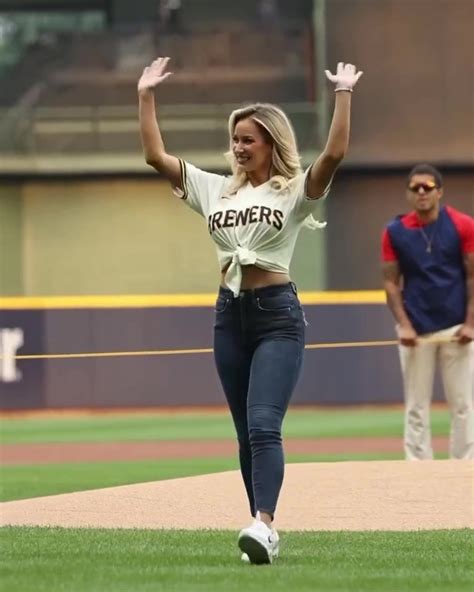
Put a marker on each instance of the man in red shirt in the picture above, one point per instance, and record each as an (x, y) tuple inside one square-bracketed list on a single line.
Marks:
[(428, 271)]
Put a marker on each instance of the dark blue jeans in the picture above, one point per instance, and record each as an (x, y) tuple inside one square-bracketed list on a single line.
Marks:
[(258, 348)]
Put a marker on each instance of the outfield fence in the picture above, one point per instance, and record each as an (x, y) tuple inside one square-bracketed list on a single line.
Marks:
[(159, 356)]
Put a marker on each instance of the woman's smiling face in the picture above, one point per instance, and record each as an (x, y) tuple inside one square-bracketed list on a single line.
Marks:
[(252, 147)]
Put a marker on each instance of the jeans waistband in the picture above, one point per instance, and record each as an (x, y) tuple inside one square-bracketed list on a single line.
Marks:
[(273, 290)]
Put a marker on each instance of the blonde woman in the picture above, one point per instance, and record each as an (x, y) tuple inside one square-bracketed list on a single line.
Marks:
[(254, 217)]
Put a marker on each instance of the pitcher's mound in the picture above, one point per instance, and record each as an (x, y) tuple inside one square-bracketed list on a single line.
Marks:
[(393, 495)]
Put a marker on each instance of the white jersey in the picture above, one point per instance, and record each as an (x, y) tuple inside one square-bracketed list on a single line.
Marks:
[(254, 226)]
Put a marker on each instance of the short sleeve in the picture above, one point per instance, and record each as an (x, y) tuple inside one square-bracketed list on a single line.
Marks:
[(305, 205), (200, 188), (388, 252), (465, 227)]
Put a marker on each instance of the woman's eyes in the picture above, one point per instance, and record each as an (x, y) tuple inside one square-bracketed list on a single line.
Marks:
[(244, 140)]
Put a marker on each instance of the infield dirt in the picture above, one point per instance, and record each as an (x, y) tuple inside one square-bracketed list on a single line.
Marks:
[(374, 495)]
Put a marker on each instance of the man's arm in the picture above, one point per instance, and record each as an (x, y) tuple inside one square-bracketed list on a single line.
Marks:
[(392, 286), (466, 332)]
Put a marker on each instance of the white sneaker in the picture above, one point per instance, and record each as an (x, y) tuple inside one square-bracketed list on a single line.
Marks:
[(246, 559), (259, 542), (276, 543)]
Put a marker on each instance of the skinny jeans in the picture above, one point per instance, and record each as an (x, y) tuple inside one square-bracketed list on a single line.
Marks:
[(258, 349)]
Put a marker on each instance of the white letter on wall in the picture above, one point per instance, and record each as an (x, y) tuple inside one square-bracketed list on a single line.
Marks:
[(10, 342)]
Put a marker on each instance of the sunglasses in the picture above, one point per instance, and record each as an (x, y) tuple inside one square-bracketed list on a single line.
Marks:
[(427, 187)]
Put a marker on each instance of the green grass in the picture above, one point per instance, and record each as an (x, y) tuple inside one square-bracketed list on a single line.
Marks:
[(25, 481), (73, 560), (299, 423), (81, 560)]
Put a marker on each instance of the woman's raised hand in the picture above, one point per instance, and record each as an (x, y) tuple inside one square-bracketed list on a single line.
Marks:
[(154, 74), (346, 76)]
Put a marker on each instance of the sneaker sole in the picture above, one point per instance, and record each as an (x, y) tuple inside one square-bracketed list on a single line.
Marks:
[(257, 553)]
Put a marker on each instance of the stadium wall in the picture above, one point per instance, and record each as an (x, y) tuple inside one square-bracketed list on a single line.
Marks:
[(129, 236), (415, 99), (115, 236), (11, 233), (182, 376)]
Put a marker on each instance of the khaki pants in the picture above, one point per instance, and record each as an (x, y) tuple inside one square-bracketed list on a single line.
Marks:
[(457, 372)]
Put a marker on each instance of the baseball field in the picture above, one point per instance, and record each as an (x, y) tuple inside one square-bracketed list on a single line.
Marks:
[(153, 501)]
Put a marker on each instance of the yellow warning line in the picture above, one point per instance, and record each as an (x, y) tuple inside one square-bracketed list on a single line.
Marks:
[(173, 300)]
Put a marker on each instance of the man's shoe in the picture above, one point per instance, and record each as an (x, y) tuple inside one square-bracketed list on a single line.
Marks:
[(259, 542)]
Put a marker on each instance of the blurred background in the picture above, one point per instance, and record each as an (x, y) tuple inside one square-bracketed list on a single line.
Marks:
[(83, 217)]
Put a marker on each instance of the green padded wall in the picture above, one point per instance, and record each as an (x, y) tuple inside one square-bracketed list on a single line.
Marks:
[(116, 236), (113, 236), (11, 282)]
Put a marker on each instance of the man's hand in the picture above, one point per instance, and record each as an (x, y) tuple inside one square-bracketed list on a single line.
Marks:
[(465, 334), (153, 75), (407, 336)]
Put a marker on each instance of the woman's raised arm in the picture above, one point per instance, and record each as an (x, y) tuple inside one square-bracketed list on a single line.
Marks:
[(337, 143), (152, 142)]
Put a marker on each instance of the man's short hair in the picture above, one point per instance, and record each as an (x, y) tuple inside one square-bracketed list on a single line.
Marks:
[(426, 169)]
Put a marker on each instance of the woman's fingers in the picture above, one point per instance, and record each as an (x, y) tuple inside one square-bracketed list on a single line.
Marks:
[(156, 73), (160, 64), (330, 76), (346, 75)]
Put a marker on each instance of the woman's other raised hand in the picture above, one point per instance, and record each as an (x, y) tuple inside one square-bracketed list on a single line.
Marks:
[(153, 75)]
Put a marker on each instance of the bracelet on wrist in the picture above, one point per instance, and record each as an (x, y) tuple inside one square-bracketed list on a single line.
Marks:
[(345, 89)]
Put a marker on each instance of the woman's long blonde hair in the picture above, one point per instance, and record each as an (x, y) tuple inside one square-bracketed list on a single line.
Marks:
[(285, 157)]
